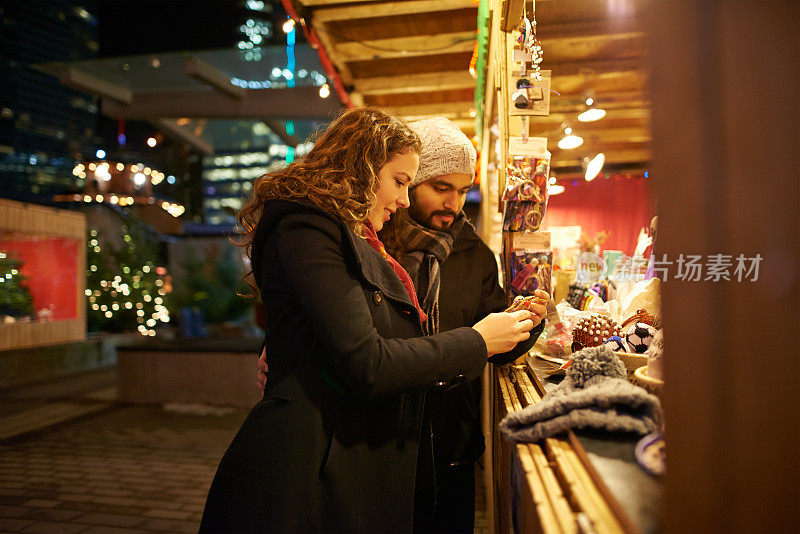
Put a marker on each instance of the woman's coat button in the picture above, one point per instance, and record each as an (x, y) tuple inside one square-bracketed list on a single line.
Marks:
[(377, 297)]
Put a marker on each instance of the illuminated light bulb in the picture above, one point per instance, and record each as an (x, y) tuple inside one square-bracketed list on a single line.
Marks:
[(92, 166), (589, 101), (567, 130), (87, 198), (552, 180), (100, 154), (324, 91), (591, 115), (139, 179), (134, 168), (594, 167), (569, 142), (151, 142), (120, 167), (99, 198), (288, 26), (114, 199), (555, 189), (88, 292)]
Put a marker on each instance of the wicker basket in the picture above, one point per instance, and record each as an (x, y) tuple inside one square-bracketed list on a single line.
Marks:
[(631, 360), (653, 385)]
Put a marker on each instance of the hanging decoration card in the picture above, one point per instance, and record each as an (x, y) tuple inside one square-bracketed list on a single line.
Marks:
[(529, 270), (523, 216), (529, 96)]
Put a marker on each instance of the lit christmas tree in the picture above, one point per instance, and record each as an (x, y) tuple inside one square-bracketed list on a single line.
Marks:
[(15, 297), (125, 289)]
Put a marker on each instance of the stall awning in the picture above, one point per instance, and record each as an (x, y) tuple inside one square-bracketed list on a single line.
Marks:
[(414, 57)]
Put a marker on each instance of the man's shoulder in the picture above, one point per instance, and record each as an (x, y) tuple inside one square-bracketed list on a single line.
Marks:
[(472, 246)]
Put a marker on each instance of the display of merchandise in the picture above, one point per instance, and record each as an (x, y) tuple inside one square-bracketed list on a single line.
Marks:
[(523, 216), (526, 179), (616, 343), (524, 303), (642, 316), (639, 337), (529, 271), (594, 330), (655, 355), (651, 453)]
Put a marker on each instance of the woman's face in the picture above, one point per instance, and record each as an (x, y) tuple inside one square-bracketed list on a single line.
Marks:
[(394, 178)]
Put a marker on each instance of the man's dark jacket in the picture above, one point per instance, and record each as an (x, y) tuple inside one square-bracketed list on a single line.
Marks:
[(469, 292), (332, 447)]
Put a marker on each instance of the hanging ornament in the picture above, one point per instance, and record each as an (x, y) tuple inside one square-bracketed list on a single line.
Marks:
[(530, 42)]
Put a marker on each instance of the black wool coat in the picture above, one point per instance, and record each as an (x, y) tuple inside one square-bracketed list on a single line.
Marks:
[(332, 447)]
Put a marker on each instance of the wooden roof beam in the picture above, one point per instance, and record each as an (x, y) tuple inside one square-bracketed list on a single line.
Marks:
[(416, 45), (564, 160), (414, 83), (387, 9), (445, 109), (328, 45), (322, 3)]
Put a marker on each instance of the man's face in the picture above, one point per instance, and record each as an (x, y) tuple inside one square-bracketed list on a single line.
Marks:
[(436, 202)]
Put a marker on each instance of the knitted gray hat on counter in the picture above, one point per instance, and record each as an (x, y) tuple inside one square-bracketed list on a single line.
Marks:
[(445, 149), (594, 394)]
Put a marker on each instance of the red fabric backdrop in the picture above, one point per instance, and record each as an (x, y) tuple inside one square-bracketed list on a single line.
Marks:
[(51, 267), (621, 207)]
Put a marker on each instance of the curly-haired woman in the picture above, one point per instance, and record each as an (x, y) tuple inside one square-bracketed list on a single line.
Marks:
[(332, 446)]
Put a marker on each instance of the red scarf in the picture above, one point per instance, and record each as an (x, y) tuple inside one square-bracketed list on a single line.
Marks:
[(372, 238)]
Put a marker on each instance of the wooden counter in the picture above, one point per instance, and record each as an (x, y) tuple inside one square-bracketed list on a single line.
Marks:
[(586, 483)]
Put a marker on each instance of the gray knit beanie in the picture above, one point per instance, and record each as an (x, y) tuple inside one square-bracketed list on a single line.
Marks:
[(445, 150), (594, 394)]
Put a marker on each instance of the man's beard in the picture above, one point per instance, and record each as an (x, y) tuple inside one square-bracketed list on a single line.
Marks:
[(428, 220)]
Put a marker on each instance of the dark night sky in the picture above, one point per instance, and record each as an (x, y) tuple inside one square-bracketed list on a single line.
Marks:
[(147, 26)]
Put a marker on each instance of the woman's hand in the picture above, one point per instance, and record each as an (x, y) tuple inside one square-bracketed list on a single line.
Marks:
[(263, 369), (502, 331)]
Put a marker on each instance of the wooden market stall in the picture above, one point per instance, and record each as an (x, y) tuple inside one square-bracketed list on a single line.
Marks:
[(700, 92)]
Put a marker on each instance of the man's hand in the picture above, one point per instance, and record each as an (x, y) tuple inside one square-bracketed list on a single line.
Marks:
[(539, 311), (262, 371)]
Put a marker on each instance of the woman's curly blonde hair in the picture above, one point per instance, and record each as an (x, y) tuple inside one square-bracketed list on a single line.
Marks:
[(339, 175)]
